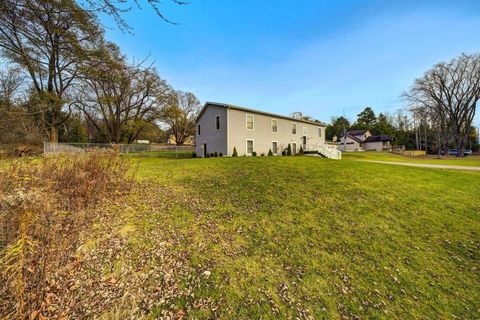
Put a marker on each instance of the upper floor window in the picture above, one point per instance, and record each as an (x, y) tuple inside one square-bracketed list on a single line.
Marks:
[(274, 125), (217, 122), (198, 129), (249, 122), (294, 128), (320, 132), (304, 131)]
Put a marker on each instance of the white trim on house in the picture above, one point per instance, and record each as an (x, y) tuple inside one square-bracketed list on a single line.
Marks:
[(227, 132), (305, 131), (294, 150), (276, 151), (253, 122), (319, 132), (291, 128), (219, 124), (246, 147), (271, 124)]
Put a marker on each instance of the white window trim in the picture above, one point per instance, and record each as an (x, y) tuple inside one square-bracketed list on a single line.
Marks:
[(271, 123), (275, 153), (294, 143), (291, 128), (246, 121), (219, 124), (246, 146), (319, 132), (305, 131)]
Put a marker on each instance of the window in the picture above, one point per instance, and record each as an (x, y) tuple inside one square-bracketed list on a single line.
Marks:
[(274, 125), (294, 128), (294, 148), (304, 131), (217, 122), (274, 147), (198, 129), (249, 146), (320, 132), (249, 122)]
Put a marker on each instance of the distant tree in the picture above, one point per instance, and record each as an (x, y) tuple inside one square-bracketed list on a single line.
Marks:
[(448, 94), (383, 125), (301, 116), (179, 115), (337, 126), (365, 119), (120, 99), (48, 39)]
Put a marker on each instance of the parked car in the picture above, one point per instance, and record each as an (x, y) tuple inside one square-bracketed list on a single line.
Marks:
[(454, 152)]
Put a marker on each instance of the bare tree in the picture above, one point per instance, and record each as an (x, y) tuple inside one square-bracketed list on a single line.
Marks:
[(48, 39), (120, 99), (179, 115), (449, 93)]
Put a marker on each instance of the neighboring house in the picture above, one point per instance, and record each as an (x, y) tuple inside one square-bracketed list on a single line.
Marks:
[(363, 140), (172, 140), (221, 127)]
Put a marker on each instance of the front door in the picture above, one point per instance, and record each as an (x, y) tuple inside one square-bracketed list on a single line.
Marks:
[(304, 142), (204, 150)]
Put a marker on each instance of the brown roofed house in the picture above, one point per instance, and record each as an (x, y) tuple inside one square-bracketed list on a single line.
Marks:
[(363, 140)]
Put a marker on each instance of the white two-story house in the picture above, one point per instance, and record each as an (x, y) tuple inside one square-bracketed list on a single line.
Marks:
[(222, 127)]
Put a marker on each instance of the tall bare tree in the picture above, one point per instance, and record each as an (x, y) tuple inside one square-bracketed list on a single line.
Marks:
[(179, 115), (120, 99), (449, 94), (48, 39)]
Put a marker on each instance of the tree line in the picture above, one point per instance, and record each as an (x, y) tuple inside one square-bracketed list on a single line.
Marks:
[(441, 106), (61, 79)]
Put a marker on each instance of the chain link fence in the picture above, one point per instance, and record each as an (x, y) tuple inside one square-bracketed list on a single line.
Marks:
[(139, 149)]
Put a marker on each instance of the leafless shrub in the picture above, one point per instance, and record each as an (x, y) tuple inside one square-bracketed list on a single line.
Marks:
[(44, 207)]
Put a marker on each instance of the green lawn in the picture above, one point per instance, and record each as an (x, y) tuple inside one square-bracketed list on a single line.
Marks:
[(286, 237), (430, 159)]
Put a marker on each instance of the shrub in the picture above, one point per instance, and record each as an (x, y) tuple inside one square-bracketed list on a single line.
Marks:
[(44, 207), (194, 154), (301, 151), (215, 154), (235, 154), (254, 154), (263, 154), (289, 150), (284, 152), (270, 153), (212, 155), (220, 154)]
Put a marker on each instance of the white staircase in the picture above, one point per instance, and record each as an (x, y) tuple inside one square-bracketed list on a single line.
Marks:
[(329, 151), (324, 150)]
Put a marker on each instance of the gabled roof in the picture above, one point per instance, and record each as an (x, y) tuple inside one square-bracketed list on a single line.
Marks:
[(356, 132), (354, 138), (378, 138), (231, 106)]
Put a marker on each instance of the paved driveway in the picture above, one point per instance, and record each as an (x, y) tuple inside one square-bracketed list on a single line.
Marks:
[(427, 165)]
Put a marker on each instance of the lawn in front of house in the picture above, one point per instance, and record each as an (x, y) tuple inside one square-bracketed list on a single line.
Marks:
[(285, 237), (429, 159)]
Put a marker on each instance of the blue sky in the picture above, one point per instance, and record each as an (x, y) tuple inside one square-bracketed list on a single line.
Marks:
[(323, 58)]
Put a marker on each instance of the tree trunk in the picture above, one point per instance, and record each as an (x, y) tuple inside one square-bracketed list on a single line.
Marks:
[(54, 133)]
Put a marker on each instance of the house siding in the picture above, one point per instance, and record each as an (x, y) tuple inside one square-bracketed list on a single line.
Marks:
[(263, 136), (216, 140)]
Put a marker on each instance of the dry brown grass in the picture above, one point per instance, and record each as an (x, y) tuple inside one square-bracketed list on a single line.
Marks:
[(44, 207)]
